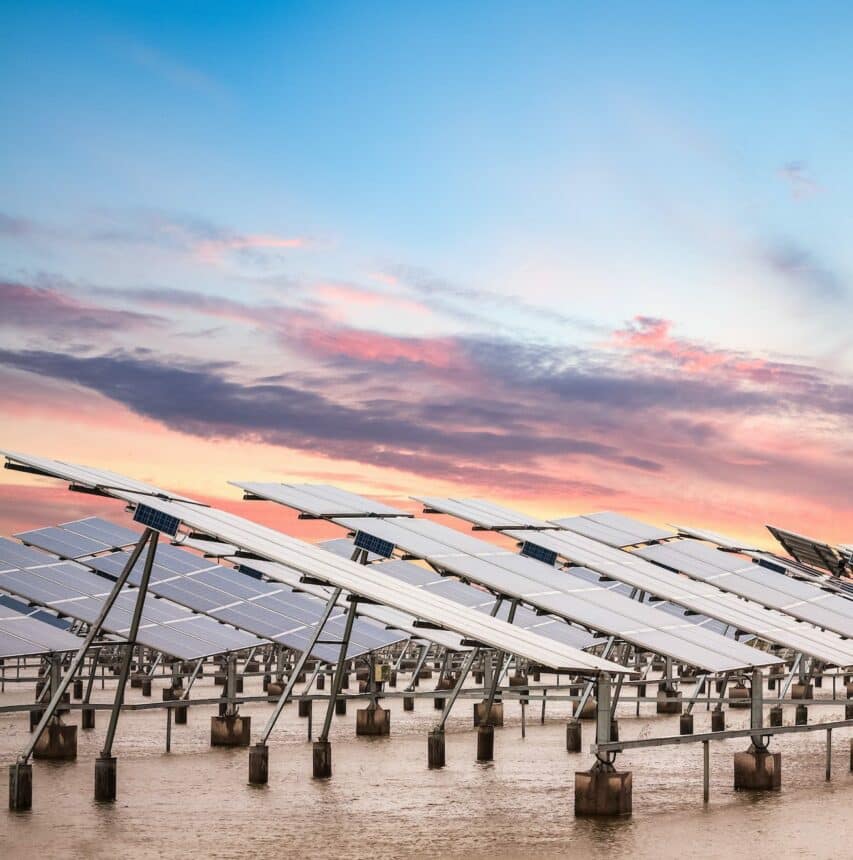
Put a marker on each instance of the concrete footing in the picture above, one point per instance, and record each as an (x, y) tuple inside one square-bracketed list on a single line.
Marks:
[(230, 731), (322, 759), (170, 694), (776, 714), (496, 715), (574, 734), (408, 703), (485, 743), (603, 791), (20, 787), (57, 742), (802, 715), (589, 709), (669, 702), (741, 696), (35, 717), (372, 721), (259, 764), (78, 688), (305, 707), (718, 721), (340, 706), (685, 726), (146, 686), (87, 718), (275, 689), (320, 682), (848, 711), (105, 779), (802, 691), (758, 770), (435, 749), (136, 681), (180, 714)]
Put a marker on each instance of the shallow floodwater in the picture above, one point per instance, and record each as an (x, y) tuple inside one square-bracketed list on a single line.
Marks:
[(384, 802)]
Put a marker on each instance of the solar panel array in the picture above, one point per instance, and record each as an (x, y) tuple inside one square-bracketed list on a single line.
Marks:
[(24, 632), (734, 573), (561, 593), (748, 616), (80, 538), (74, 591), (268, 610)]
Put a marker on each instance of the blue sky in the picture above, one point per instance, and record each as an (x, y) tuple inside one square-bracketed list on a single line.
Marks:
[(445, 174)]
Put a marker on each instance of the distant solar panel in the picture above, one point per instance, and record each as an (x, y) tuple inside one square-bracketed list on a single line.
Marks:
[(376, 545), (810, 551), (13, 555), (70, 589), (155, 519), (533, 550), (63, 543), (23, 634), (323, 500), (102, 530), (614, 529)]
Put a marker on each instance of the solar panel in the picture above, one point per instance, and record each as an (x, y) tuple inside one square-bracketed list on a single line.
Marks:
[(809, 551), (482, 513), (373, 544), (738, 575), (322, 500), (22, 634), (614, 529), (99, 529), (533, 550), (13, 555), (72, 590), (62, 543), (155, 519)]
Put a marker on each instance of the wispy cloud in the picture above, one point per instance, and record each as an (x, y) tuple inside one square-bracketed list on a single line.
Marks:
[(800, 269), (799, 180)]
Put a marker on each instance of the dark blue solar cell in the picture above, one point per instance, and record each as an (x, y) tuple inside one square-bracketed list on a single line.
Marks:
[(373, 544), (533, 550), (155, 519)]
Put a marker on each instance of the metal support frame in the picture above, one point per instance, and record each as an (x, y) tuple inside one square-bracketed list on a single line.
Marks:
[(418, 666), (587, 692), (331, 603), (153, 537), (339, 669), (701, 681), (795, 669), (194, 675), (603, 718), (94, 629), (493, 687)]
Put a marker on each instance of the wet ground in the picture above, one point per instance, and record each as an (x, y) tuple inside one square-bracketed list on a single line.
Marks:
[(384, 802)]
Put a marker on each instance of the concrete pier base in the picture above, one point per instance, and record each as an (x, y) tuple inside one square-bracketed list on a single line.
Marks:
[(520, 681), (485, 743), (718, 721), (305, 707), (372, 721), (669, 702), (58, 742), (87, 718), (802, 691), (848, 711), (105, 779), (146, 686), (233, 731), (496, 716), (35, 717), (320, 683), (266, 683), (20, 787), (322, 759), (77, 692), (275, 689), (776, 716), (408, 703), (136, 681), (574, 734), (802, 715), (685, 726), (741, 696), (758, 770), (589, 709), (603, 791), (259, 764), (180, 715), (435, 749)]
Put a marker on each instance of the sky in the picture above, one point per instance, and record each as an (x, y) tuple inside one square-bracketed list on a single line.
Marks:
[(571, 257)]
